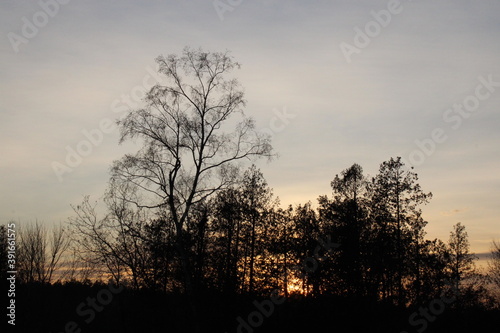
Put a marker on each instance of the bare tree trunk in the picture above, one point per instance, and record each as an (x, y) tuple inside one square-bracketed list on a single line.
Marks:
[(252, 257)]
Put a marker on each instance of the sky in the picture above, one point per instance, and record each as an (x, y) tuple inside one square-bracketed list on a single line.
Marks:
[(335, 82)]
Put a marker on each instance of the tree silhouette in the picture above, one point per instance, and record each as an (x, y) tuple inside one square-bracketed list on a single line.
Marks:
[(346, 217), (396, 197), (461, 260), (239, 248), (39, 252), (190, 143), (494, 268), (255, 202), (226, 242)]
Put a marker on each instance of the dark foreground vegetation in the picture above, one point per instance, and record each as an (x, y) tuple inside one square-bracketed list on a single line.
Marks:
[(353, 264), (49, 308), (191, 242)]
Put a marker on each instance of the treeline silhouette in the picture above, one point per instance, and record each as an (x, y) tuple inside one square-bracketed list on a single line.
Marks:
[(360, 259), (193, 243)]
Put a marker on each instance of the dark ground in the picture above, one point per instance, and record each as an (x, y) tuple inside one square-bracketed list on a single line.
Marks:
[(52, 308)]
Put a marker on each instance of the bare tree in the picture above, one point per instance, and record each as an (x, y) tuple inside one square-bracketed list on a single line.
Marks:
[(40, 253), (192, 138), (59, 243), (494, 268), (79, 266), (113, 242)]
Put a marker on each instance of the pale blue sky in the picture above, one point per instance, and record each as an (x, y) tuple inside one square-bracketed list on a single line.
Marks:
[(394, 91)]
